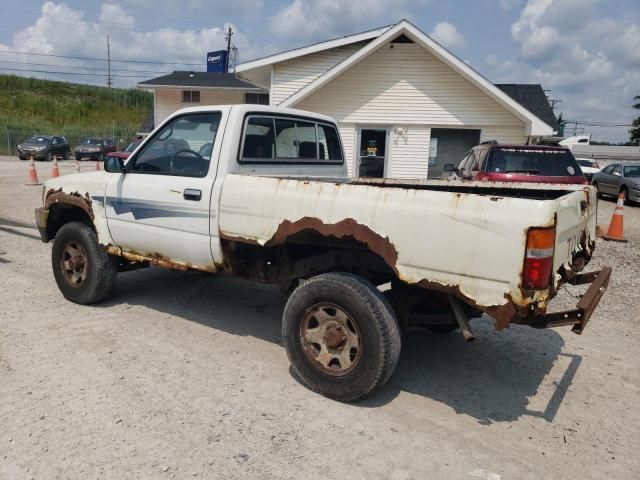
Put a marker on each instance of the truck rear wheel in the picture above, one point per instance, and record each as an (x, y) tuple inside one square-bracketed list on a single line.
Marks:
[(341, 336), (84, 272)]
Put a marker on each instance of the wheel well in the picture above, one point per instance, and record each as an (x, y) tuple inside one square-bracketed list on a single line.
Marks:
[(304, 255), (61, 213)]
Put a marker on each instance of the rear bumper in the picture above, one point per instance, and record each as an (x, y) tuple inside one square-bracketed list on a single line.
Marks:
[(42, 216), (578, 317)]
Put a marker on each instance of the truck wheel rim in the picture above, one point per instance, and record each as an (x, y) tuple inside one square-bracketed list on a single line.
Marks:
[(331, 339), (73, 264)]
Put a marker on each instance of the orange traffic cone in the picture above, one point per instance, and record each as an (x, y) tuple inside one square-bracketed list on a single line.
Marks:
[(97, 164), (33, 175), (617, 223), (55, 172)]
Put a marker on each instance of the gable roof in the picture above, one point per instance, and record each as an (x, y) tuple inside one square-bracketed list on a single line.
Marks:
[(533, 125), (182, 78), (313, 48), (532, 97)]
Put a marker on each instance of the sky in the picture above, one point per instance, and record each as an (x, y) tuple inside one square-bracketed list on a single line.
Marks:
[(585, 52)]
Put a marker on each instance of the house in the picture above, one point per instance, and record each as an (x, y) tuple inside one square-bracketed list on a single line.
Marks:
[(185, 89), (405, 105)]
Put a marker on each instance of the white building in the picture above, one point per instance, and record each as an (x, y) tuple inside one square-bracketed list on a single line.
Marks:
[(404, 104)]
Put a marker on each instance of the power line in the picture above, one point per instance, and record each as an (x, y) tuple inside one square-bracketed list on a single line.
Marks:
[(598, 124), (102, 69), (98, 59), (71, 73)]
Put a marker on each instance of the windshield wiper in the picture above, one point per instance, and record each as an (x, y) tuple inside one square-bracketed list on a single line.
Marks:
[(528, 170)]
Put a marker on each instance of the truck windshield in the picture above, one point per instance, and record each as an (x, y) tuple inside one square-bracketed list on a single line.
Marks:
[(552, 163)]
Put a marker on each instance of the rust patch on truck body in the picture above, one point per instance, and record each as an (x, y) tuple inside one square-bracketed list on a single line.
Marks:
[(53, 197), (156, 259), (346, 228)]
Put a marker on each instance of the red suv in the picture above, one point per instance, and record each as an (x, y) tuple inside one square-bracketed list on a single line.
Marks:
[(494, 162)]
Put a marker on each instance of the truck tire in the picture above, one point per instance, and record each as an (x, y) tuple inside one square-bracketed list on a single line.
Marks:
[(84, 272), (341, 336), (78, 157)]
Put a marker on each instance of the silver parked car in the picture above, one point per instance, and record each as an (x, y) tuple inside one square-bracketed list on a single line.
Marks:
[(619, 178)]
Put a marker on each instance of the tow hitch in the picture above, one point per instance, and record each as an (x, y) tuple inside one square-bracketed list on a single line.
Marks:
[(578, 317)]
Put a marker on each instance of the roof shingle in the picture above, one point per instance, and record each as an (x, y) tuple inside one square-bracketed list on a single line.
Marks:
[(532, 97), (200, 79)]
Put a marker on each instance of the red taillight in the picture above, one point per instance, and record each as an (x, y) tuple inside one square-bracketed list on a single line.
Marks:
[(538, 260)]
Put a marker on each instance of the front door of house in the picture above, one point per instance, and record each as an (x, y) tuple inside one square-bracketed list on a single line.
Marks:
[(372, 153)]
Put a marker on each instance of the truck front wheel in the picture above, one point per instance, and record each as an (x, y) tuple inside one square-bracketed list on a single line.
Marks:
[(341, 336), (84, 272)]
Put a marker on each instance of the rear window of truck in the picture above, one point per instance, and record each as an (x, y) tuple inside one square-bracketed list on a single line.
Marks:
[(282, 139), (552, 163)]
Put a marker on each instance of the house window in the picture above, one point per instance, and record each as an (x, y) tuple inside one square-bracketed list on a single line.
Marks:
[(190, 96), (256, 98)]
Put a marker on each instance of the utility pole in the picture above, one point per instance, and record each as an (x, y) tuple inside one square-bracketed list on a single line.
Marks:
[(228, 38), (109, 82)]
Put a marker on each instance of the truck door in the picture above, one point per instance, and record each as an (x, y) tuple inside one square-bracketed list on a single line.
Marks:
[(160, 206)]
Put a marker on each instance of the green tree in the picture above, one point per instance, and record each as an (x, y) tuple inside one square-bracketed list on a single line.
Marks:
[(634, 133)]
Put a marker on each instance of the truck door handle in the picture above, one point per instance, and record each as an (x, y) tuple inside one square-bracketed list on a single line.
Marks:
[(192, 194)]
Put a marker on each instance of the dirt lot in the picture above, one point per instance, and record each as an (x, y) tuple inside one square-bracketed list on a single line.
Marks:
[(182, 375)]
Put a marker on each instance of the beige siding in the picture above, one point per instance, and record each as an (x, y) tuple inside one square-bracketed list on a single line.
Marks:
[(291, 76), (409, 152), (406, 85), (348, 135), (169, 100), (503, 134)]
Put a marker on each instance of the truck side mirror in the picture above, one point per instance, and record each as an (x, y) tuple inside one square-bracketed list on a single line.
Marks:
[(114, 165), (450, 167)]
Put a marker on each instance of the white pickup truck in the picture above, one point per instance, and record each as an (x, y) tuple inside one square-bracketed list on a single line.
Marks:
[(263, 193)]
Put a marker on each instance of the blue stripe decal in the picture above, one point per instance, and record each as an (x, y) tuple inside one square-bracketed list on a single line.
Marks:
[(144, 210)]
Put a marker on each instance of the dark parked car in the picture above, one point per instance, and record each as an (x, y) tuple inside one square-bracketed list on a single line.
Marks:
[(619, 178), (494, 162), (124, 154), (94, 148), (44, 147)]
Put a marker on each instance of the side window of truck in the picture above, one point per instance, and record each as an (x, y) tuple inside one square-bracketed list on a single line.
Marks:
[(270, 139), (179, 148), (329, 143)]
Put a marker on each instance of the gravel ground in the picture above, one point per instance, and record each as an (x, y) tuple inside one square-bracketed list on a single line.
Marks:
[(182, 375)]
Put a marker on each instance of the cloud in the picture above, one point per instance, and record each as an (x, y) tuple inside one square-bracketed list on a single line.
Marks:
[(83, 37), (322, 19), (570, 47), (447, 34)]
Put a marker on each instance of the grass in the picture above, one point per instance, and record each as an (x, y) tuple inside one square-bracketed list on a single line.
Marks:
[(33, 106)]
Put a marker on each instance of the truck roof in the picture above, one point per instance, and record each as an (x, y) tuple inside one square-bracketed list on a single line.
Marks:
[(246, 108)]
